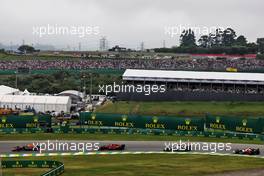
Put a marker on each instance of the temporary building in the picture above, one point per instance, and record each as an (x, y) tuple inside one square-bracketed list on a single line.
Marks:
[(39, 103)]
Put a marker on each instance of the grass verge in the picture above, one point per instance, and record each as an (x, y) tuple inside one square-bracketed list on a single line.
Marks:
[(184, 108), (143, 165)]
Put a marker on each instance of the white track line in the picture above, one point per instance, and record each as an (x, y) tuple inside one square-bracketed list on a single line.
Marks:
[(124, 153)]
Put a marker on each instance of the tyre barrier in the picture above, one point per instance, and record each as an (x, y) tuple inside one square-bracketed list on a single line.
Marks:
[(57, 168)]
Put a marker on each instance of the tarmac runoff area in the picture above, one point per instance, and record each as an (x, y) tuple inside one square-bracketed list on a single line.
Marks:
[(76, 147)]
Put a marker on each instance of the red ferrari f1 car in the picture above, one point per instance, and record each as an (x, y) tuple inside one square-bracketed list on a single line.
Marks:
[(113, 147), (247, 151), (29, 147)]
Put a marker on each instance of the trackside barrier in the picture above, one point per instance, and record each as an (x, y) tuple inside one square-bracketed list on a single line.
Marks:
[(25, 121), (131, 131), (57, 167), (21, 130), (142, 121), (236, 124), (243, 124)]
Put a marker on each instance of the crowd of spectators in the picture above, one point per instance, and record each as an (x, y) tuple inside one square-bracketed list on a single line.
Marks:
[(218, 88), (205, 64)]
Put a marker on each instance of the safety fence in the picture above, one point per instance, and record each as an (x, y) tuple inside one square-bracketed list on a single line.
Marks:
[(57, 168)]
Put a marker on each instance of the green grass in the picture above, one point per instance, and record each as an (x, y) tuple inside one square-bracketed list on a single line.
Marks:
[(147, 165), (22, 172), (185, 108), (122, 137)]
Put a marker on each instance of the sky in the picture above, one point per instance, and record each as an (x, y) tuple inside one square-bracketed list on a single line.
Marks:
[(124, 22)]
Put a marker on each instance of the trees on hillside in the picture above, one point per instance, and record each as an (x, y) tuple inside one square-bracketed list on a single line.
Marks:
[(260, 43), (217, 42), (187, 38), (26, 49)]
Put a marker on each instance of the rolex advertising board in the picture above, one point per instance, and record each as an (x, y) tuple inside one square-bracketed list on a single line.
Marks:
[(236, 124), (144, 122), (26, 121)]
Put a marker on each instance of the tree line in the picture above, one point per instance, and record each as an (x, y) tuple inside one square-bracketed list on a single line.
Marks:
[(221, 41)]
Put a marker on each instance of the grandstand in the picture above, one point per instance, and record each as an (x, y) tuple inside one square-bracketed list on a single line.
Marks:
[(194, 85)]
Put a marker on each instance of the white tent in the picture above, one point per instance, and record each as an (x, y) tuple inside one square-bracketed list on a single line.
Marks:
[(5, 90), (39, 103), (26, 92)]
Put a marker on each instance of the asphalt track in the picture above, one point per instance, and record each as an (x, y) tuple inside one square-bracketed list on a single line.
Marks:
[(131, 146)]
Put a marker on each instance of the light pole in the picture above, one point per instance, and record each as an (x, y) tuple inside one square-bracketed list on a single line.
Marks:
[(1, 171), (91, 86), (84, 86), (16, 72)]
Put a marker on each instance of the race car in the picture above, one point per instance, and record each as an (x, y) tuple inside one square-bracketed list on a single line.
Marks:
[(113, 147), (179, 148), (28, 147), (247, 151)]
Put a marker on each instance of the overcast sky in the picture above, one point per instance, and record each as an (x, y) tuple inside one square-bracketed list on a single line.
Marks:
[(126, 22)]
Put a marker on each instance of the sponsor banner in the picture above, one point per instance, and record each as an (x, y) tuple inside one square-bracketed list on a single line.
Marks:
[(143, 122), (21, 130), (107, 130), (25, 121), (112, 120), (57, 167), (262, 125), (236, 124)]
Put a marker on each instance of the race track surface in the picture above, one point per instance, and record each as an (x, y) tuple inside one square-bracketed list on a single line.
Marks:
[(131, 146)]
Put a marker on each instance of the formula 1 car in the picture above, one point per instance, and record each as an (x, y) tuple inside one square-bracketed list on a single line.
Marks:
[(112, 147), (247, 151), (179, 148), (29, 147)]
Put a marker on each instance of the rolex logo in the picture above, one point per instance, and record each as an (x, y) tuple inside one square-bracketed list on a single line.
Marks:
[(35, 119), (93, 117), (187, 121), (155, 119), (244, 122), (218, 119), (3, 120), (124, 118)]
